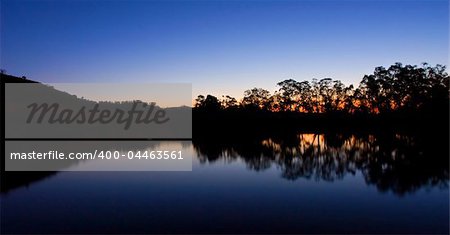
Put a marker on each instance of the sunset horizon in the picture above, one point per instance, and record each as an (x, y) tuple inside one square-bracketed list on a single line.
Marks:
[(224, 117)]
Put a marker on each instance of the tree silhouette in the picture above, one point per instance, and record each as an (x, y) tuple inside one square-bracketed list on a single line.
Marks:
[(210, 103), (256, 99), (229, 102), (397, 89)]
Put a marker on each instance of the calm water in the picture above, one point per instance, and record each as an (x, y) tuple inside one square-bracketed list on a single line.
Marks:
[(303, 184)]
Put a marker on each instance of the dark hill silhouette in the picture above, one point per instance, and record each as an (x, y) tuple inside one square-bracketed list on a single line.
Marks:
[(11, 180), (6, 78), (178, 127)]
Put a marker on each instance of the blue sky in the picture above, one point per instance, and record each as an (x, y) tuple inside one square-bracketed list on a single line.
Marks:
[(221, 47)]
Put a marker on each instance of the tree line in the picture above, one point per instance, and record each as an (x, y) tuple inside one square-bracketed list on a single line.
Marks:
[(399, 88)]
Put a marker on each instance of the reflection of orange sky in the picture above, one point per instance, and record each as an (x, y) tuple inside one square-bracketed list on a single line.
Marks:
[(317, 144), (306, 141)]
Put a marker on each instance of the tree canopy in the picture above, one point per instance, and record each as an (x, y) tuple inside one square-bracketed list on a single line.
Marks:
[(399, 88)]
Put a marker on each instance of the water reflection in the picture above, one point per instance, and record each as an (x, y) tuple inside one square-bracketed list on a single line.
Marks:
[(396, 163), (293, 184), (392, 162), (123, 150)]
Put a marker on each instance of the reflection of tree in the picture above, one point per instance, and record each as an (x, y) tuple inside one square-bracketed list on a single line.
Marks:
[(392, 162), (405, 164)]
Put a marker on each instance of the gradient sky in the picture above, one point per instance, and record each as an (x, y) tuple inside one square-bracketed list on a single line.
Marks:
[(221, 47)]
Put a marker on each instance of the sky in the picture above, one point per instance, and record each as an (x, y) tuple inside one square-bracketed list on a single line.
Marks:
[(221, 47)]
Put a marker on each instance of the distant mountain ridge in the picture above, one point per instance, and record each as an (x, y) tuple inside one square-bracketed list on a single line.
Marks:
[(6, 78)]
